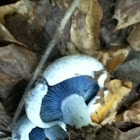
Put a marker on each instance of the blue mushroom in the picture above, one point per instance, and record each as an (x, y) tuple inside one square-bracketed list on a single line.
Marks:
[(53, 133), (59, 71), (25, 130), (68, 99), (63, 95), (37, 134)]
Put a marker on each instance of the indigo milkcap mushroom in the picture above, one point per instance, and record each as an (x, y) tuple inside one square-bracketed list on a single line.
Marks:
[(53, 133), (67, 101), (59, 76), (25, 130)]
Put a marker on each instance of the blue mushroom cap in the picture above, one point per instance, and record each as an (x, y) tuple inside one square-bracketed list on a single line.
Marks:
[(52, 133), (37, 134), (51, 104)]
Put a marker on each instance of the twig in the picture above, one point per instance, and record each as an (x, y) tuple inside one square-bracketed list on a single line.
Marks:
[(50, 47)]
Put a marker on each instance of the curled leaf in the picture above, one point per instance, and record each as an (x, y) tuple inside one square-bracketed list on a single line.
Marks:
[(5, 35)]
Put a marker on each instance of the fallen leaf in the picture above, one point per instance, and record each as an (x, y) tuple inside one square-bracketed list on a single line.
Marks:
[(17, 61), (28, 33), (132, 134), (85, 27), (112, 101), (133, 39), (5, 35), (127, 12), (111, 38), (63, 4), (113, 59), (6, 84), (18, 7), (132, 114), (130, 69), (4, 120)]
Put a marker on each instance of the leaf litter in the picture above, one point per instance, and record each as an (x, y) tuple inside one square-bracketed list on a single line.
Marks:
[(108, 30)]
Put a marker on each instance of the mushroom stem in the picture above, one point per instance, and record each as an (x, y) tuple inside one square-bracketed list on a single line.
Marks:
[(75, 111), (33, 105)]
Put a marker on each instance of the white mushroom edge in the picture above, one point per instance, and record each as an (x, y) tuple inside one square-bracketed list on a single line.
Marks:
[(60, 70)]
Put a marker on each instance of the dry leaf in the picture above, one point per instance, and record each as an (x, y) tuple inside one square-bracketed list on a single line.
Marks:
[(134, 38), (132, 134), (113, 59), (17, 61), (63, 4), (6, 84), (112, 101), (5, 35), (4, 120), (85, 27), (127, 12), (132, 114), (26, 32), (18, 7), (130, 69)]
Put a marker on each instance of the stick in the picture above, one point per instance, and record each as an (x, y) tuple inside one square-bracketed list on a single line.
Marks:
[(50, 47)]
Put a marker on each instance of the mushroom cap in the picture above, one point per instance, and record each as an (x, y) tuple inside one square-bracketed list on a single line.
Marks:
[(51, 104), (52, 133), (72, 66), (37, 134), (60, 70)]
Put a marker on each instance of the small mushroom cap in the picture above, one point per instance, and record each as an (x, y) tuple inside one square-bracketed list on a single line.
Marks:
[(71, 66), (52, 133), (37, 134), (51, 104)]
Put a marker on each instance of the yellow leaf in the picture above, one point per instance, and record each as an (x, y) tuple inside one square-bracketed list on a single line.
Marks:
[(115, 97)]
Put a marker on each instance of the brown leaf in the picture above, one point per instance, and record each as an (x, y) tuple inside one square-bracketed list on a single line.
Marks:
[(25, 32), (132, 134), (85, 27), (113, 59), (130, 70), (134, 38), (115, 97), (18, 7), (17, 61), (132, 114), (63, 4), (127, 12), (5, 35), (4, 120), (6, 84)]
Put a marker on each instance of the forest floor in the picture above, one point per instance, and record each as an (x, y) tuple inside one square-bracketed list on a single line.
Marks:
[(108, 30)]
